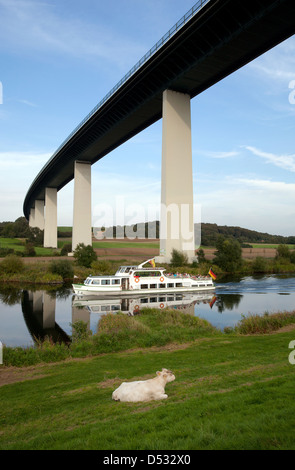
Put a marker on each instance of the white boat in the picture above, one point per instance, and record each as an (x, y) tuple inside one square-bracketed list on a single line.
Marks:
[(132, 280)]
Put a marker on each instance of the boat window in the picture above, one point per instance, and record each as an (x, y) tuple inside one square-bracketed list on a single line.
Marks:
[(162, 286), (148, 273), (144, 301), (96, 281), (153, 286), (115, 308), (170, 284), (144, 286), (178, 284), (105, 282), (153, 299), (115, 281)]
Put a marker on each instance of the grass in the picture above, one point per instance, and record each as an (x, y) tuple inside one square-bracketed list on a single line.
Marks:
[(124, 244), (230, 392), (268, 245), (17, 244)]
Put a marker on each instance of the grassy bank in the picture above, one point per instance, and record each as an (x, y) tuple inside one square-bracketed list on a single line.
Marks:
[(150, 328), (231, 392), (40, 272)]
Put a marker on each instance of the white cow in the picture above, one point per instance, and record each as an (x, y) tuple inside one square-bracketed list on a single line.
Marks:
[(144, 390)]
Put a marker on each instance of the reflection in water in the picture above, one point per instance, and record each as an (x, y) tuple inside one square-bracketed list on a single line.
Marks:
[(25, 314), (131, 306), (228, 301), (39, 309), (39, 314)]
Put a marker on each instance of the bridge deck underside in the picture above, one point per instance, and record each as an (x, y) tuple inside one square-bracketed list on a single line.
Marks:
[(221, 38)]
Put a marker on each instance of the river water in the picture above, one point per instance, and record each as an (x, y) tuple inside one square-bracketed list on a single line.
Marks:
[(26, 314)]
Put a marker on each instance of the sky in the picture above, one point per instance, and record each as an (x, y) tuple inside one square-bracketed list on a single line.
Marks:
[(59, 58)]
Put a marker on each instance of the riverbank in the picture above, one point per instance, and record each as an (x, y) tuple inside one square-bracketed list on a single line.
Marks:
[(39, 270), (231, 392)]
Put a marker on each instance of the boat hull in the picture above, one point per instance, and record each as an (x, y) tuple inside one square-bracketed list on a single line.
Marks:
[(81, 289)]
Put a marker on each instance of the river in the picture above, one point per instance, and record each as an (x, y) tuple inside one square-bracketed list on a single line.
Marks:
[(26, 314)]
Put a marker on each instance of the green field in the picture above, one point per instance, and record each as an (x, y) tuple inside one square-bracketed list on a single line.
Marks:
[(123, 244), (17, 245), (234, 392)]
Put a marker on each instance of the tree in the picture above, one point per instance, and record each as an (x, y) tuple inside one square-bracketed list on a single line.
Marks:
[(84, 255), (228, 255), (35, 236), (201, 256), (283, 252), (63, 267), (178, 258)]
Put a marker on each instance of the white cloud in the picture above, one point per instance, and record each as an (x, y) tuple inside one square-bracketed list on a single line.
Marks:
[(278, 64), (28, 103), (221, 155), (270, 186), (21, 160), (287, 162)]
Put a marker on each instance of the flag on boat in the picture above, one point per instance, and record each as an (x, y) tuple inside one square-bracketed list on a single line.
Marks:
[(151, 261), (212, 274)]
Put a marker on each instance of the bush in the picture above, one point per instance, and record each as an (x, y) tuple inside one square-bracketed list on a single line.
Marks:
[(102, 267), (178, 258), (6, 251), (12, 264), (84, 255), (62, 267), (283, 252), (260, 265), (80, 331), (67, 248), (29, 249), (201, 256)]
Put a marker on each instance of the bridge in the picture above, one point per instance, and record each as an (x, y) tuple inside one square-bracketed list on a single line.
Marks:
[(214, 39)]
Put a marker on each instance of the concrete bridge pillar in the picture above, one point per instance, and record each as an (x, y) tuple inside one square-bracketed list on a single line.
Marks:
[(82, 205), (177, 222), (50, 224), (32, 217), (39, 214)]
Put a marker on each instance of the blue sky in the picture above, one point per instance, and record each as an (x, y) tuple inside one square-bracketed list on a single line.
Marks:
[(59, 58)]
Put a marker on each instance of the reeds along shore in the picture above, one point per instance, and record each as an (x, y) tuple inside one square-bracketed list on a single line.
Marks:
[(150, 328)]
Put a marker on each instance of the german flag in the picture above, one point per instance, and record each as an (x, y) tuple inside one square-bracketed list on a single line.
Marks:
[(212, 274)]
